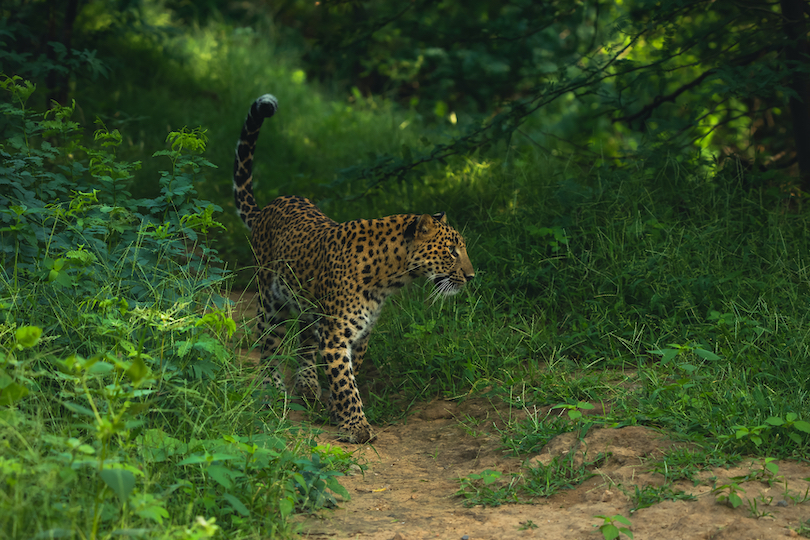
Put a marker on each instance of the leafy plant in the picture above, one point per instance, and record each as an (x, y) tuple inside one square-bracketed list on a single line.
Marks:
[(729, 494), (527, 525), (790, 420), (803, 529), (479, 488), (796, 499), (573, 411), (612, 527), (774, 425), (766, 474), (684, 351), (753, 506)]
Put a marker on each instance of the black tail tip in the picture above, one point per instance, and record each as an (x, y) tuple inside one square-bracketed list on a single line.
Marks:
[(265, 106)]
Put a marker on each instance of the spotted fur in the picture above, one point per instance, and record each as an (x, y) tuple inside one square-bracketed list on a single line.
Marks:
[(336, 276)]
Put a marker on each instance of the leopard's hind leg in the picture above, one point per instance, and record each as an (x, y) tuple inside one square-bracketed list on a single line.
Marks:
[(306, 379), (272, 327)]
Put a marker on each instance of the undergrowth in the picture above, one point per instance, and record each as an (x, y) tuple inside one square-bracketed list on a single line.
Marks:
[(121, 409)]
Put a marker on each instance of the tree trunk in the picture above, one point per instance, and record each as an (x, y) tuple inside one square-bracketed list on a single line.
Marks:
[(795, 27), (59, 83)]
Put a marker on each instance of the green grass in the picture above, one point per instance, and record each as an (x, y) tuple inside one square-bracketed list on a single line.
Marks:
[(490, 488)]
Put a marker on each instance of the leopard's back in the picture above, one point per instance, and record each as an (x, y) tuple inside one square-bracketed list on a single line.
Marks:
[(293, 239)]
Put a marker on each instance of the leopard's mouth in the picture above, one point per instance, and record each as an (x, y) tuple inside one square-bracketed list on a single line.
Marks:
[(445, 286)]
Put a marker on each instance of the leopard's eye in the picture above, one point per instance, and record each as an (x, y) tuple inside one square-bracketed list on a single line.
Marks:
[(453, 251)]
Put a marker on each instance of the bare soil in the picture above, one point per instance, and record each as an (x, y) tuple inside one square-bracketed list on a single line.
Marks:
[(408, 488)]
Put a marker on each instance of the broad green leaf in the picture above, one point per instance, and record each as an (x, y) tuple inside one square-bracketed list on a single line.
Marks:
[(54, 533), (621, 519), (27, 336), (706, 355), (120, 481), (137, 533), (236, 504), (609, 531), (269, 441), (156, 445), (101, 368), (490, 476), (336, 486), (155, 512), (137, 370), (12, 393), (207, 458), (774, 421), (221, 475), (196, 458), (802, 425), (75, 407), (285, 506), (665, 354)]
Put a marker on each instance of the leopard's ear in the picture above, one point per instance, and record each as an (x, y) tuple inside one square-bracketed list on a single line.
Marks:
[(410, 230), (420, 226), (441, 217)]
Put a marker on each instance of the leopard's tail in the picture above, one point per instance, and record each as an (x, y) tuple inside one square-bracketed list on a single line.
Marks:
[(246, 207)]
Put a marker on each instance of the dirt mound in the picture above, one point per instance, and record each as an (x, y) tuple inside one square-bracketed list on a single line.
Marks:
[(408, 490)]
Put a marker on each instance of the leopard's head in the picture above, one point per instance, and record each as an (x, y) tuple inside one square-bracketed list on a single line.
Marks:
[(437, 251)]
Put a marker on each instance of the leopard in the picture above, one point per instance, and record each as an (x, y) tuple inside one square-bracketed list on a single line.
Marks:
[(333, 279)]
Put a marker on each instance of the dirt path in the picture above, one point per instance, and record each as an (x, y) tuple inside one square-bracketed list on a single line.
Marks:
[(407, 491)]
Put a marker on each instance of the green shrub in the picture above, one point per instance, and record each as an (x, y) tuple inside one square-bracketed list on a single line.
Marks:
[(121, 409)]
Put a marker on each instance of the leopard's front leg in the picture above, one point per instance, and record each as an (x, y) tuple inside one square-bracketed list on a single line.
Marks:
[(345, 406)]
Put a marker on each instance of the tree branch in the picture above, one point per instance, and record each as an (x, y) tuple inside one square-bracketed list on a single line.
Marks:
[(648, 109)]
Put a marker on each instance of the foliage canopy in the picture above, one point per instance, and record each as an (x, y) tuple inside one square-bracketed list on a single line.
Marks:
[(609, 79)]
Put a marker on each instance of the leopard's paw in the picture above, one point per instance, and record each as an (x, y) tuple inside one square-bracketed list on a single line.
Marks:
[(357, 433), (307, 386)]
